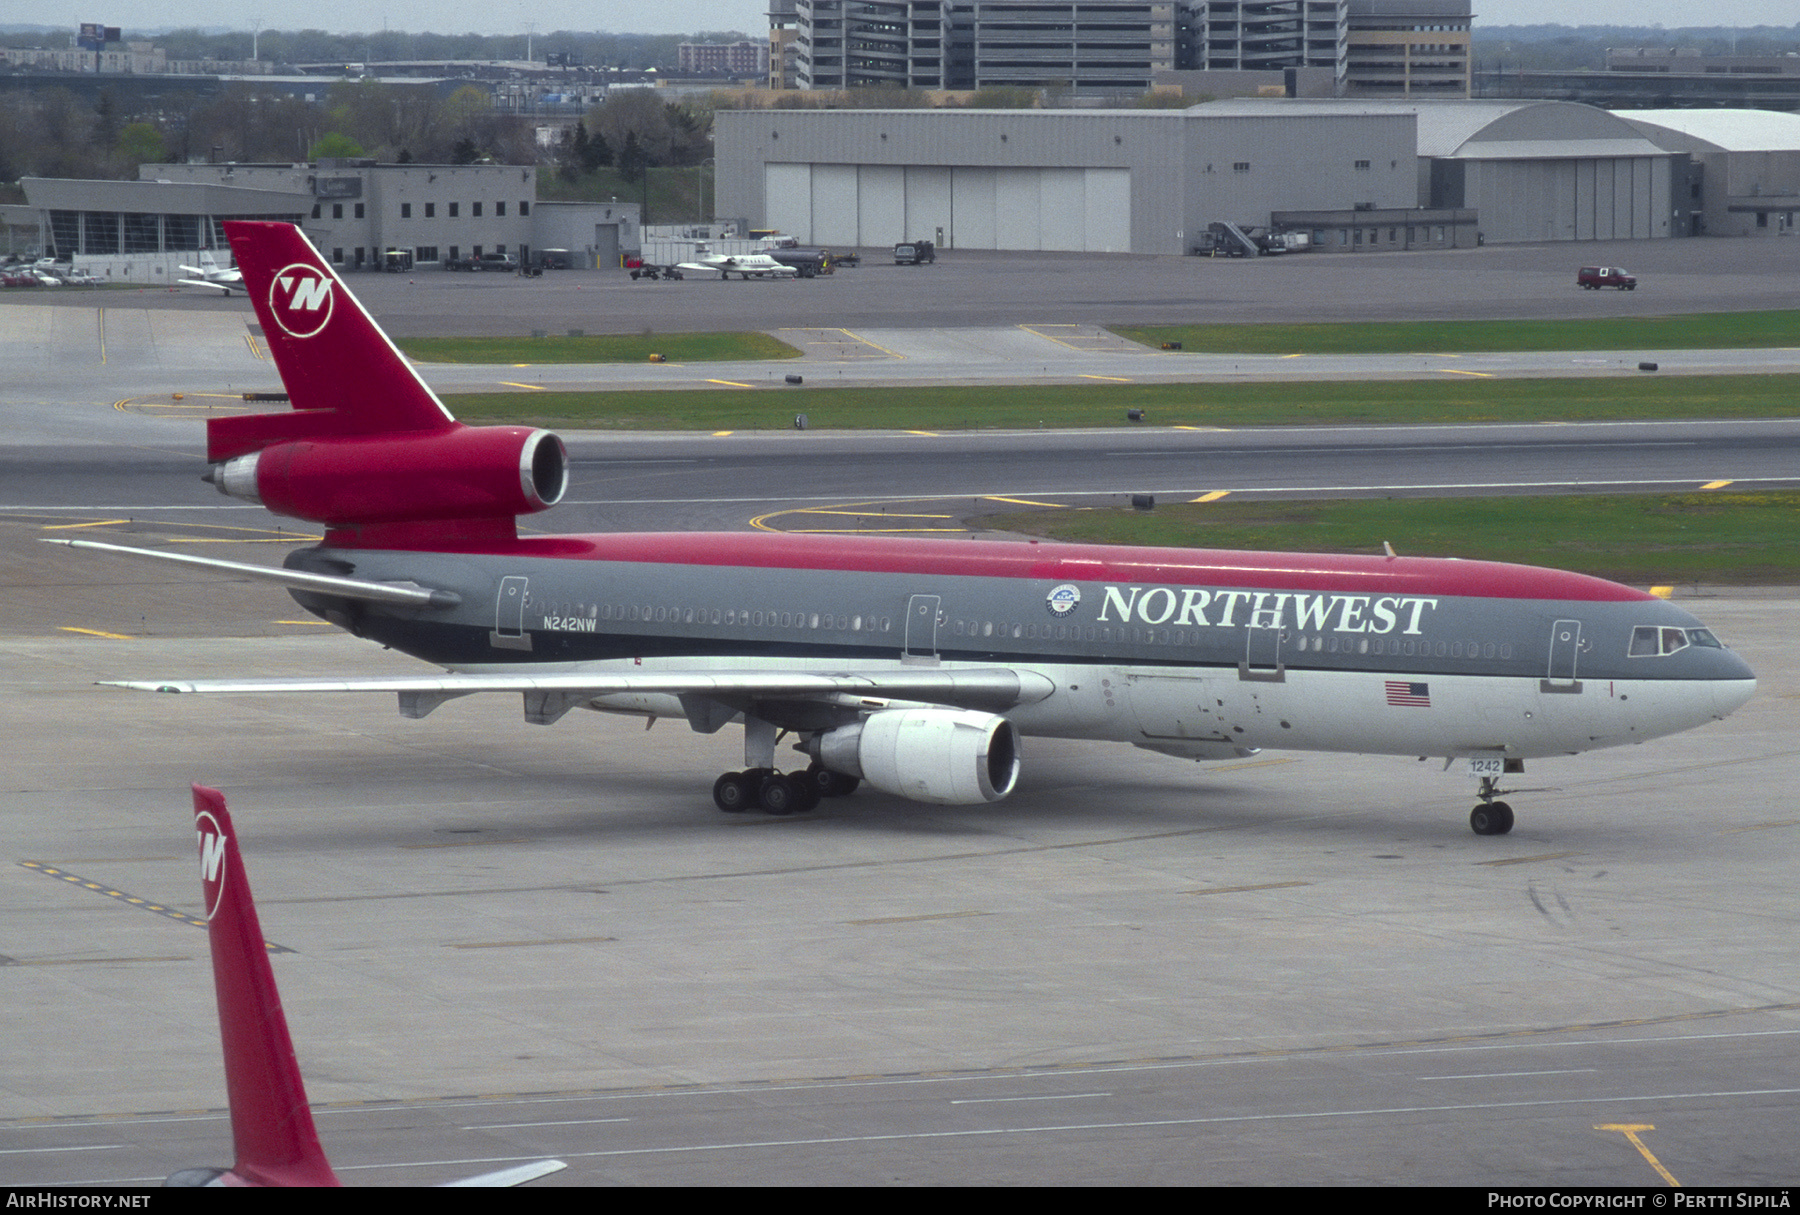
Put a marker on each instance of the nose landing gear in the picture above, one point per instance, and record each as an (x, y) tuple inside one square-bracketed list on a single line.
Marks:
[(1491, 817)]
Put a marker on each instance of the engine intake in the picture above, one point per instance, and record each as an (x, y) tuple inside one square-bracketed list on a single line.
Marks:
[(949, 757), (464, 472)]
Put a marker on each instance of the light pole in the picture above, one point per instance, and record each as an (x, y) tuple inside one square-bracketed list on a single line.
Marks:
[(703, 212)]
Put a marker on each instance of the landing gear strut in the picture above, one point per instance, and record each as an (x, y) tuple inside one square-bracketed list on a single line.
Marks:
[(778, 793), (760, 786), (1491, 817)]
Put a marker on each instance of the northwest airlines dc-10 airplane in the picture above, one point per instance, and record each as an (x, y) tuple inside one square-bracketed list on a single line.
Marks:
[(911, 665)]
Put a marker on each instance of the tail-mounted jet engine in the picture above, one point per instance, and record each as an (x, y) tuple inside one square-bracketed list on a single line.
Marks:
[(464, 472)]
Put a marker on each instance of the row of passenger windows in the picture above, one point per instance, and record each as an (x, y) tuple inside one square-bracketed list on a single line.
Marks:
[(733, 616), (1302, 643), (1647, 641)]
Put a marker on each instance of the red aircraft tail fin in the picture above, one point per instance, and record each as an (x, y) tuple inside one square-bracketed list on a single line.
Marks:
[(343, 375), (270, 1120)]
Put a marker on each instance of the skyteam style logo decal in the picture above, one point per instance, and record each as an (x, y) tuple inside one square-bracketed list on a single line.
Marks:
[(1064, 599), (300, 298), (212, 860)]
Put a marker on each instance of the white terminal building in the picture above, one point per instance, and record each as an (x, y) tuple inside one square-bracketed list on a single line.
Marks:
[(355, 211)]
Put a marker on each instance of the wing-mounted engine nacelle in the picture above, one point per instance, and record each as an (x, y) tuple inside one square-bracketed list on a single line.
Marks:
[(463, 472), (950, 757)]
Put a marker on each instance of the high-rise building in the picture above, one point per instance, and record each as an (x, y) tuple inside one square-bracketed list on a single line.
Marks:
[(744, 58), (1373, 47), (1406, 48)]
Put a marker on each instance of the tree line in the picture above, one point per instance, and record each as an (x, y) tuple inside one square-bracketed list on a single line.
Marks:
[(54, 132), (595, 49)]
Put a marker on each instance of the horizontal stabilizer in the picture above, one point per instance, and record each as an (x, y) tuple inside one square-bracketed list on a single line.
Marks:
[(399, 594)]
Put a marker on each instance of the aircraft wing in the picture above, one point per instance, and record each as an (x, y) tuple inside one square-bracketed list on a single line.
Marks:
[(201, 282), (987, 688)]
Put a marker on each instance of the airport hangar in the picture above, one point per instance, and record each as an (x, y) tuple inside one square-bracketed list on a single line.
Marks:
[(1746, 166), (1150, 181)]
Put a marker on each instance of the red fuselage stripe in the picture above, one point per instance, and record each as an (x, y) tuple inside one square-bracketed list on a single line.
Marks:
[(1122, 565)]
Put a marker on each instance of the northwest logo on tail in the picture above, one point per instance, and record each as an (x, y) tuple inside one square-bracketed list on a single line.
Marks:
[(212, 860), (300, 298)]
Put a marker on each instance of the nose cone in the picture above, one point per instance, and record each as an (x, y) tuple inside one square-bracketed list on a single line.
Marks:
[(1731, 695), (1733, 682)]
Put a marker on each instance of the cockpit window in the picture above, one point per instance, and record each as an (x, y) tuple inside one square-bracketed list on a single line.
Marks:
[(1650, 640)]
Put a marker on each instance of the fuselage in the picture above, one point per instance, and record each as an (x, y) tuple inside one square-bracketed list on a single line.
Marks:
[(1193, 652)]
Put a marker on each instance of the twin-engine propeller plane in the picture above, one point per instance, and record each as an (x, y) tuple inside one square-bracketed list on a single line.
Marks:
[(911, 665)]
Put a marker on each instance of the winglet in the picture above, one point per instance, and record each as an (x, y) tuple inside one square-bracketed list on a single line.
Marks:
[(271, 1123)]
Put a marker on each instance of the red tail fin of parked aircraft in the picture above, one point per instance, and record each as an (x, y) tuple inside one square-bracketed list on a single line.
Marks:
[(271, 1124)]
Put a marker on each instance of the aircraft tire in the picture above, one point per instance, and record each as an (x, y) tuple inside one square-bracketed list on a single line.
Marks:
[(1491, 818), (778, 795), (806, 793), (829, 783), (731, 793)]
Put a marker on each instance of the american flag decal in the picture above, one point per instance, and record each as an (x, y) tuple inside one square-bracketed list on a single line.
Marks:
[(1408, 695)]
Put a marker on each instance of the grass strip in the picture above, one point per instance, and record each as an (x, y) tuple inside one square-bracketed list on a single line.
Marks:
[(1699, 331), (1638, 539), (1453, 399), (598, 348)]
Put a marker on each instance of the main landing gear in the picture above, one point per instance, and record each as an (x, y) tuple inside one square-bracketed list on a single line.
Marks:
[(1491, 817), (779, 793)]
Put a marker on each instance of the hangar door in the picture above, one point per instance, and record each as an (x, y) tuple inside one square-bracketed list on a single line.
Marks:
[(975, 207), (1598, 198)]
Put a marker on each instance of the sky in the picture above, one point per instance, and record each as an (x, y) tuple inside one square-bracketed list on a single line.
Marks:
[(686, 16)]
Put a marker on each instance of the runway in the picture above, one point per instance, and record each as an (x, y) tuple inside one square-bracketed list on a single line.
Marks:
[(511, 941)]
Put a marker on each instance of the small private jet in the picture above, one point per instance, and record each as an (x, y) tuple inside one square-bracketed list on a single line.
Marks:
[(744, 265), (210, 274)]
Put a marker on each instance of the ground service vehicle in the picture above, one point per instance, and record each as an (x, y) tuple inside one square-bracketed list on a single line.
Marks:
[(914, 253), (1592, 278), (484, 261)]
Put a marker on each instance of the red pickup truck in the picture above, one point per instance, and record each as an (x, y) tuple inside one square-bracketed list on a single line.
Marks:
[(1592, 278)]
